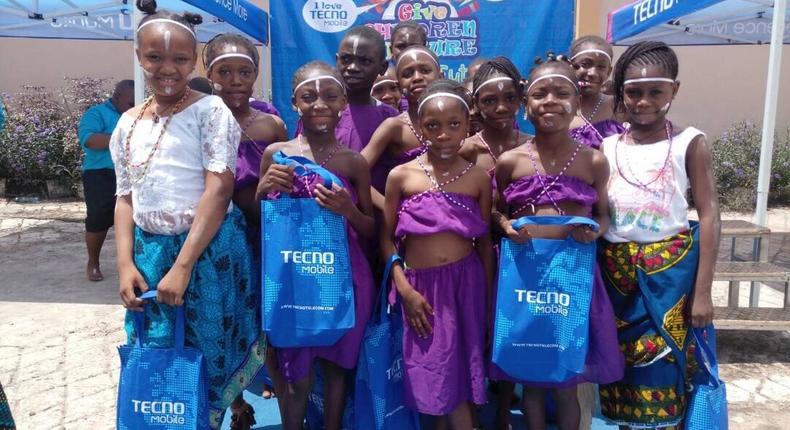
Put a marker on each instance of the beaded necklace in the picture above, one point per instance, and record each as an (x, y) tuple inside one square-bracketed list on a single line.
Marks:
[(588, 122), (248, 123), (545, 188), (435, 185), (488, 147), (127, 146), (413, 130), (322, 164), (636, 182)]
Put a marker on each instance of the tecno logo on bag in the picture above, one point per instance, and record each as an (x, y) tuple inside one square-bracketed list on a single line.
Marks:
[(160, 412), (311, 262), (545, 302)]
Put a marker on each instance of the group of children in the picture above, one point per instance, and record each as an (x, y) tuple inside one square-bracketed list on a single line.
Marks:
[(192, 169)]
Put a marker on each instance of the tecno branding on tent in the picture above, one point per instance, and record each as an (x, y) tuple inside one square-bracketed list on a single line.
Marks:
[(113, 19), (708, 22)]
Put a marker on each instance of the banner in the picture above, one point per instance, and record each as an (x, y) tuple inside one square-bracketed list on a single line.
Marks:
[(458, 31)]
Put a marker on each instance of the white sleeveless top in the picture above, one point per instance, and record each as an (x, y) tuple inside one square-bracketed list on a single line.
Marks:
[(202, 137), (644, 209)]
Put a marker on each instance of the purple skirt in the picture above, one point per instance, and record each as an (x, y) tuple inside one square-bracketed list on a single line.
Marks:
[(447, 368), (605, 361)]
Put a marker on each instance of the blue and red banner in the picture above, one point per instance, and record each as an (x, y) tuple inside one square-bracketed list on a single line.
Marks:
[(458, 31)]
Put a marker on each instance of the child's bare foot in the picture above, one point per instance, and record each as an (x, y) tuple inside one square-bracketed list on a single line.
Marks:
[(94, 273)]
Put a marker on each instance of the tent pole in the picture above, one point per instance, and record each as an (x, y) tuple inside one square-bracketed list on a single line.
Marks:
[(769, 113), (139, 79)]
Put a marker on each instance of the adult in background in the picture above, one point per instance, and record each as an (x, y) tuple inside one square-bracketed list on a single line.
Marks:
[(98, 174)]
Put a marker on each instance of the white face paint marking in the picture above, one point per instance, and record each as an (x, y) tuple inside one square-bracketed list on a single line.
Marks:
[(168, 90), (483, 115), (148, 74), (413, 55), (321, 127), (318, 85), (355, 44), (644, 71), (407, 36), (500, 86), (665, 109), (217, 86), (567, 106), (234, 48), (440, 105), (167, 40)]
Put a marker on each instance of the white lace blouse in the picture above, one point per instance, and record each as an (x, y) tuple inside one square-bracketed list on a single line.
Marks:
[(203, 137)]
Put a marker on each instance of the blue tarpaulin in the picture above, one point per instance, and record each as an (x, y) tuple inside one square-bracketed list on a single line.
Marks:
[(112, 19)]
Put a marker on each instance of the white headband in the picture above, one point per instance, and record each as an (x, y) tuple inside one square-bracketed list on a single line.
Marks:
[(318, 78), (417, 51), (443, 94), (492, 80), (552, 75), (593, 51), (383, 81), (231, 55), (167, 20), (640, 80)]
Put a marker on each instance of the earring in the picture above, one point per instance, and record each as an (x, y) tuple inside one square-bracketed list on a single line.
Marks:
[(340, 114), (428, 143)]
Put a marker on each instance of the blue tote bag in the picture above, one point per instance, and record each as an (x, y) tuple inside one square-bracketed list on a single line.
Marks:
[(161, 388), (541, 322), (379, 382), (707, 407), (308, 292)]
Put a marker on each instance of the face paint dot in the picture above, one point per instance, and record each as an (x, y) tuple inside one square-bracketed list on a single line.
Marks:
[(234, 48), (644, 71), (167, 40), (168, 90), (500, 86), (217, 86), (355, 44), (440, 105)]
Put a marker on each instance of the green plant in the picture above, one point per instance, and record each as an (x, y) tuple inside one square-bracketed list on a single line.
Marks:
[(736, 159)]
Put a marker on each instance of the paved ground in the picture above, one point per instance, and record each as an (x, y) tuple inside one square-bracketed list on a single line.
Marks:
[(58, 332)]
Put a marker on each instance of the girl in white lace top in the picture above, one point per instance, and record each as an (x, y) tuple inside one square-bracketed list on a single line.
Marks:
[(176, 229)]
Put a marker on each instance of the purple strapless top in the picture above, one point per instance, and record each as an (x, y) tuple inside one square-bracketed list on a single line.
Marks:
[(524, 190), (432, 212), (264, 107), (593, 136), (248, 163), (387, 162), (358, 123)]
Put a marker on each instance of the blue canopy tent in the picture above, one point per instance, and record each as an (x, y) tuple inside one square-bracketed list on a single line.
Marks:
[(715, 22), (115, 20)]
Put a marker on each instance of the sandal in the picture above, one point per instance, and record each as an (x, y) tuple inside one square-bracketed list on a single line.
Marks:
[(243, 415), (94, 274)]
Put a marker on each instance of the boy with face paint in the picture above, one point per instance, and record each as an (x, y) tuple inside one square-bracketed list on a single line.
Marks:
[(653, 164), (176, 229), (550, 175), (591, 57)]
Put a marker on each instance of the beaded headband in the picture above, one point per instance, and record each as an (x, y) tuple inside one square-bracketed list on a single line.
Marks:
[(414, 52), (492, 80), (318, 78), (552, 75), (640, 80), (442, 94), (593, 51), (169, 21), (231, 55)]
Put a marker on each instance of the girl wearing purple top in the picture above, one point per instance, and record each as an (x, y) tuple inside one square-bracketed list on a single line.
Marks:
[(398, 140), (231, 62), (387, 90), (436, 215), (591, 57), (555, 175), (319, 97)]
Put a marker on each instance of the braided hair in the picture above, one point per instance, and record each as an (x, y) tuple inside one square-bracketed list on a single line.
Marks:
[(148, 7), (596, 41), (642, 54), (497, 66), (324, 67), (559, 64), (413, 26), (216, 47)]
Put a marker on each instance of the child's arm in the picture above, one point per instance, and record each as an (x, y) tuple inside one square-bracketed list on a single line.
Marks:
[(485, 248), (211, 210), (703, 189), (500, 220), (273, 177), (129, 277), (378, 143), (338, 200), (600, 211), (416, 307)]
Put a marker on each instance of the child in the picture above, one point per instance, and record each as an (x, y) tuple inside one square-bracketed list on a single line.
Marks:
[(361, 57), (319, 97), (437, 211), (404, 35), (591, 56), (386, 89), (176, 229), (554, 175), (398, 140), (653, 164), (231, 63)]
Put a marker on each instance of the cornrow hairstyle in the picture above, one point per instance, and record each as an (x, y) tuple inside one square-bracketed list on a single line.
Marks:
[(497, 66), (148, 7), (556, 64), (421, 49), (216, 47), (642, 54), (413, 26), (325, 68), (591, 40), (370, 35), (447, 86)]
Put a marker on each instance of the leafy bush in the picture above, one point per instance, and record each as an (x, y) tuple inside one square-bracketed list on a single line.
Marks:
[(736, 163), (39, 140)]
